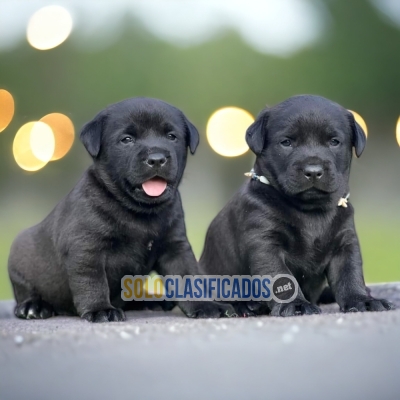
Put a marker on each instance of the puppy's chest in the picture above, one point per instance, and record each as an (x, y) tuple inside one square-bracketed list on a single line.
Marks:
[(309, 246), (134, 250)]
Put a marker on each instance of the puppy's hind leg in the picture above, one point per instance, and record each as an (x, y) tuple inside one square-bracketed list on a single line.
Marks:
[(23, 270), (29, 304), (34, 308)]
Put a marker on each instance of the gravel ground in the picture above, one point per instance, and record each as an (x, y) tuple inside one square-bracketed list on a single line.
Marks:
[(168, 356)]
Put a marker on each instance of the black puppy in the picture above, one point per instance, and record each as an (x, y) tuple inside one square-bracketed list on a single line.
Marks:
[(292, 217), (124, 217)]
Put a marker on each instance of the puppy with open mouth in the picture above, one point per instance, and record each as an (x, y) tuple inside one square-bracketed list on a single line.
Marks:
[(124, 217), (293, 216)]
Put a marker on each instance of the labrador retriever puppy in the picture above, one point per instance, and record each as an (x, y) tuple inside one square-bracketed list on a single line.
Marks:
[(293, 216), (124, 217)]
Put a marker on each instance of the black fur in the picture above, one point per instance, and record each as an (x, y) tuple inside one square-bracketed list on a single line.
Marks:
[(73, 261), (294, 225)]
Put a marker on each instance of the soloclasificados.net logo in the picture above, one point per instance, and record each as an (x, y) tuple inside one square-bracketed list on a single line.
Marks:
[(282, 288)]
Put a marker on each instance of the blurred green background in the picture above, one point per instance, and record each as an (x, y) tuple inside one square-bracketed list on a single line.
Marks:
[(353, 58)]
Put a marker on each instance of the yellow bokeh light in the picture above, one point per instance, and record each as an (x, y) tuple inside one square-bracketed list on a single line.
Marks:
[(49, 27), (398, 131), (226, 130), (6, 109), (33, 146), (360, 120), (64, 133)]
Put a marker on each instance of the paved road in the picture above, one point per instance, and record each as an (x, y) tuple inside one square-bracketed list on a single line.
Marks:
[(156, 355)]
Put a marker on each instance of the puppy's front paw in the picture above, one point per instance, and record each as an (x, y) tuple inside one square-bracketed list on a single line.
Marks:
[(34, 309), (207, 309), (110, 315), (294, 308), (366, 304)]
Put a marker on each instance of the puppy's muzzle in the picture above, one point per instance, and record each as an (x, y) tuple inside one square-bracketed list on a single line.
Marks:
[(156, 160)]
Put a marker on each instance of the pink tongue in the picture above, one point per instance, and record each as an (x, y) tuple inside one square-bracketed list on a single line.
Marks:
[(154, 187)]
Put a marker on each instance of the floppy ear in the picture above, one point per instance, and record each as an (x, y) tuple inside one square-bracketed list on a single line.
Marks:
[(256, 132), (193, 136), (359, 138), (92, 132)]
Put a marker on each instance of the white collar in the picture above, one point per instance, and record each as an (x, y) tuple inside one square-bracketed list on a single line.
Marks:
[(254, 177)]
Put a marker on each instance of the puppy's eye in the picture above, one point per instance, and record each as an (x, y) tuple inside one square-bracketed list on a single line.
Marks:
[(334, 142), (286, 143), (171, 136), (127, 140)]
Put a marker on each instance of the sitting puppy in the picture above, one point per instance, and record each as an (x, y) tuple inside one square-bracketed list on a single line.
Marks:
[(124, 217), (292, 217)]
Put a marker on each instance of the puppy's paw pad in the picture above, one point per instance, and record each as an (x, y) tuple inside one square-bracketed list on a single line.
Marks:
[(34, 309), (109, 315)]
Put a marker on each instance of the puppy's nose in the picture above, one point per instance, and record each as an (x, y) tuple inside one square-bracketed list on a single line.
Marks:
[(312, 172), (156, 160)]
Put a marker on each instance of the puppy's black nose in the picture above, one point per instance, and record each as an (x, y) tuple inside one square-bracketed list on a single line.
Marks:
[(156, 160), (312, 172)]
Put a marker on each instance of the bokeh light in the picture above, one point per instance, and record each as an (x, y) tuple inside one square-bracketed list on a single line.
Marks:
[(226, 130), (360, 120), (6, 109), (398, 131), (49, 27), (64, 133), (33, 145)]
